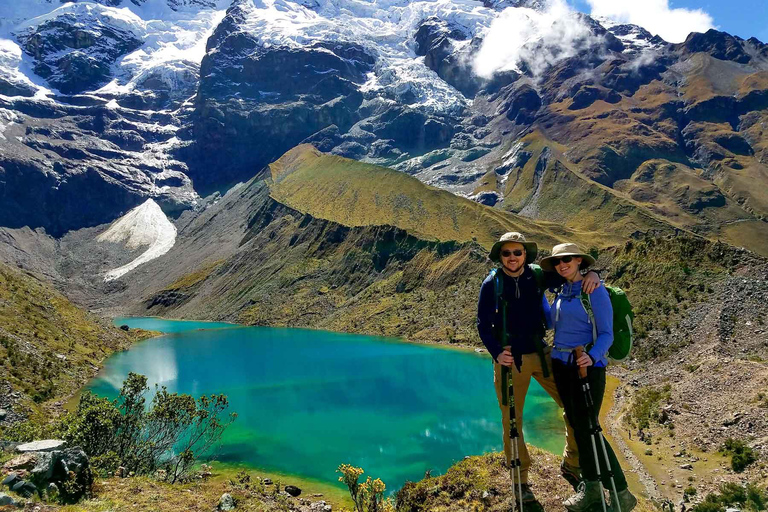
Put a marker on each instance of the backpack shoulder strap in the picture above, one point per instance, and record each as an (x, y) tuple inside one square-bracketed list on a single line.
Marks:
[(586, 303), (538, 273)]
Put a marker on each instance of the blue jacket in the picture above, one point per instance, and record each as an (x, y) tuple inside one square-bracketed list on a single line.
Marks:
[(573, 327)]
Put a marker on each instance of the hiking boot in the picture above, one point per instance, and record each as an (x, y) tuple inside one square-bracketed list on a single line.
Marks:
[(588, 494), (625, 500), (571, 475), (528, 496)]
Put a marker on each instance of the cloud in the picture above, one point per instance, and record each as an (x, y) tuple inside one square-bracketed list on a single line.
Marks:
[(656, 16), (526, 38)]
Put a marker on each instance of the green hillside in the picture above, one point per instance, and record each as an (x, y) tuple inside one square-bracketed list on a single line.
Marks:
[(48, 346), (358, 194)]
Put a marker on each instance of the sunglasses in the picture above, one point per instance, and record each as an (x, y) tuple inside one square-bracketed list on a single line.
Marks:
[(564, 259), (508, 253)]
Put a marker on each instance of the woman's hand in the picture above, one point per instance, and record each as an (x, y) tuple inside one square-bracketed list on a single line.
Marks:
[(591, 282), (505, 358), (584, 360)]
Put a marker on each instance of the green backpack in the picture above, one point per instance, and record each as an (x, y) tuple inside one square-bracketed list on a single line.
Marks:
[(622, 323)]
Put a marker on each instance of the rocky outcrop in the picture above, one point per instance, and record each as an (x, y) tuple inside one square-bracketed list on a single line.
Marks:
[(436, 40), (65, 167), (721, 46), (279, 113), (75, 50), (63, 471)]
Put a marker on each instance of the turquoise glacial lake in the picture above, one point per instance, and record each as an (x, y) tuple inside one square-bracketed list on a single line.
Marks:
[(310, 400)]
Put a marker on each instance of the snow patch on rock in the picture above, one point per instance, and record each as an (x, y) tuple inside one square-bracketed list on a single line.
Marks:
[(145, 225)]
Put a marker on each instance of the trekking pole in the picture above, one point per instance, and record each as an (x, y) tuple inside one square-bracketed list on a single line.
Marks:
[(514, 436), (596, 433)]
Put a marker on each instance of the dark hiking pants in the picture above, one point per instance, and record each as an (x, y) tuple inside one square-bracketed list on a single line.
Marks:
[(572, 395)]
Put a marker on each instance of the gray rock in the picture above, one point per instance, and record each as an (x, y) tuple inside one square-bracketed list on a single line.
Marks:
[(6, 500), (43, 470), (10, 480), (3, 414), (25, 489), (226, 502), (292, 490), (49, 445), (267, 481)]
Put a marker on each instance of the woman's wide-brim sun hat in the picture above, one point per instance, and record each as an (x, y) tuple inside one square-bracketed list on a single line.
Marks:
[(531, 249), (566, 249)]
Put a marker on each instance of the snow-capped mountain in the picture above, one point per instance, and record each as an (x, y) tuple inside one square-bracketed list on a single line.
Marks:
[(118, 101)]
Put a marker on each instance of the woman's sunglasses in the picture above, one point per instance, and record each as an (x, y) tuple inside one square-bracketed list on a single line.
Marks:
[(516, 252), (564, 259)]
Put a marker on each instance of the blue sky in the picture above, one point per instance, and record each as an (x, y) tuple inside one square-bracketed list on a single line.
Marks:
[(744, 18)]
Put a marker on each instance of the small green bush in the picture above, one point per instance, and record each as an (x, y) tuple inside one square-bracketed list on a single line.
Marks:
[(646, 405), (750, 498), (741, 454)]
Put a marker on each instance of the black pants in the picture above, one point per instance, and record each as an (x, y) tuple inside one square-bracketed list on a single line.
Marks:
[(575, 405)]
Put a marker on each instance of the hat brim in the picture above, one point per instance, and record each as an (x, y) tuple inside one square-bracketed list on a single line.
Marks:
[(531, 250), (586, 262)]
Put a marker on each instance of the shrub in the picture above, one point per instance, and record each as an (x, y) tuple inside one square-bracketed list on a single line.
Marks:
[(749, 497), (645, 407), (368, 496), (169, 435), (741, 454)]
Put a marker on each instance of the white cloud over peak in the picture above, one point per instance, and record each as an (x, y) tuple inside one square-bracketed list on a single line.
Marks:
[(656, 16), (534, 39)]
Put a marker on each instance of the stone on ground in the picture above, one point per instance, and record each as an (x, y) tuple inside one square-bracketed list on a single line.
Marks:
[(48, 445)]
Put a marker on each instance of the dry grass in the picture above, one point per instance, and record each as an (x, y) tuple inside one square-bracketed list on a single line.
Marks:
[(195, 277)]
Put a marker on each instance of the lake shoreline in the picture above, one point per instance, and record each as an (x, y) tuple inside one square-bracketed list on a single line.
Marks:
[(415, 378)]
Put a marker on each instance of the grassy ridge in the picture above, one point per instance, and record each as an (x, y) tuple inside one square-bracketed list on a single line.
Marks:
[(358, 194), (48, 346)]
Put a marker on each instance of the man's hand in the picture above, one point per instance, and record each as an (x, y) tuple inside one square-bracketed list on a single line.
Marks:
[(505, 358), (591, 282)]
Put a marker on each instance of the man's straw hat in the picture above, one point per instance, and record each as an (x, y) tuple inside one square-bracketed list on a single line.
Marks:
[(531, 249)]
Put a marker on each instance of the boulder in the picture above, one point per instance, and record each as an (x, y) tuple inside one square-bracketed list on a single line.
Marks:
[(10, 480), (25, 489), (7, 501), (3, 414), (48, 445), (226, 502), (44, 467), (69, 466), (292, 490)]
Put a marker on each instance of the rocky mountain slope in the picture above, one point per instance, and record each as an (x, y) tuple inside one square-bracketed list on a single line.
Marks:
[(110, 103)]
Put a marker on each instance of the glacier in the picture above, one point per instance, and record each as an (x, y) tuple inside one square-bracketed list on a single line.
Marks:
[(145, 225)]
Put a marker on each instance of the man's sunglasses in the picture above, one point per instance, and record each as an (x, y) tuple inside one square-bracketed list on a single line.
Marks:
[(516, 252), (564, 259)]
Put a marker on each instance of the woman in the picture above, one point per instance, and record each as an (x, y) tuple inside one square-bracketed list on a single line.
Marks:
[(573, 328)]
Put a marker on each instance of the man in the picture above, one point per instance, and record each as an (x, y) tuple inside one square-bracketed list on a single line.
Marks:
[(524, 353)]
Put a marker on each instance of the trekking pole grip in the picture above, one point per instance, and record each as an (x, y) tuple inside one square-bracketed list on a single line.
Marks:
[(582, 369)]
